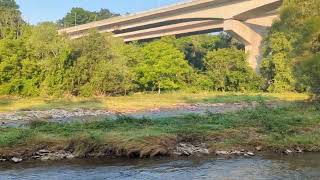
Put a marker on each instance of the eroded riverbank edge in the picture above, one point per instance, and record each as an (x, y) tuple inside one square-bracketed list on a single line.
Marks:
[(182, 149)]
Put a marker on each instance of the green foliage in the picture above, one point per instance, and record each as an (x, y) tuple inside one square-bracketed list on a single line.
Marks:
[(310, 71), (162, 67), (35, 60), (49, 64), (78, 16), (276, 67), (98, 66), (12, 54), (229, 71), (48, 55), (294, 38), (14, 66), (196, 47), (10, 21), (8, 4)]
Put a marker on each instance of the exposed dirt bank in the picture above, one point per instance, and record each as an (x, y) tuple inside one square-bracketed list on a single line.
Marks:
[(169, 147)]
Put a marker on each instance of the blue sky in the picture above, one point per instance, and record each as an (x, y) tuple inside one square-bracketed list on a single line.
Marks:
[(35, 11)]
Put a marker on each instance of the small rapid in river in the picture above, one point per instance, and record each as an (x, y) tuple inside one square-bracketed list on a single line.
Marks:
[(306, 166)]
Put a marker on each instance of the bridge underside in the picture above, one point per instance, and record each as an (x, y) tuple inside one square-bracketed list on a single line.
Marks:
[(247, 20)]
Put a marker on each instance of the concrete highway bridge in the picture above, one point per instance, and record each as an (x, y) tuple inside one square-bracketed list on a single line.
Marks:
[(247, 20)]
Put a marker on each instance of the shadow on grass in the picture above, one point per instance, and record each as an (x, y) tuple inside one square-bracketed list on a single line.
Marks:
[(232, 99), (237, 98), (5, 101), (66, 104)]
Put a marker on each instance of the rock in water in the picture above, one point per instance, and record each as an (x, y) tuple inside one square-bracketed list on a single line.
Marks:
[(70, 156), (299, 150), (45, 158), (250, 153), (222, 153), (238, 153), (259, 148), (189, 149), (288, 151), (16, 160), (43, 151)]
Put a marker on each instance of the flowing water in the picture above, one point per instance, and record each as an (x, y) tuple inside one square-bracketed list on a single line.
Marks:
[(306, 166)]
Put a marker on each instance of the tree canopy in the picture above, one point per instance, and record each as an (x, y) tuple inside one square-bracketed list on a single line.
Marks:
[(292, 46), (162, 67), (10, 21), (229, 70), (8, 4), (78, 16)]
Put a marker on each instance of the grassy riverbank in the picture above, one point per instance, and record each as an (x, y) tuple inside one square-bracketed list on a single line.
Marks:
[(141, 101), (275, 129)]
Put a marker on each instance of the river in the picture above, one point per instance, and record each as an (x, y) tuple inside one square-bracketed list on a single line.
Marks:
[(306, 166)]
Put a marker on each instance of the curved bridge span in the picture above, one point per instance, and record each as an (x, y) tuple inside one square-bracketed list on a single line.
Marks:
[(247, 20)]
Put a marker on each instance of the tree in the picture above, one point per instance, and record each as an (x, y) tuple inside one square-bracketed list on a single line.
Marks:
[(292, 40), (309, 71), (8, 4), (115, 75), (163, 67), (50, 53), (12, 49), (78, 16), (228, 70), (105, 14), (10, 21), (98, 67), (12, 53), (196, 47), (277, 67)]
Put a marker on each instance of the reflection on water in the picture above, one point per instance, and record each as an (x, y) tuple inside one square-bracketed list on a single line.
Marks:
[(305, 166)]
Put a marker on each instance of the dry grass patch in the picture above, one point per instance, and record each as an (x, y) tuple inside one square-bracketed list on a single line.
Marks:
[(140, 101)]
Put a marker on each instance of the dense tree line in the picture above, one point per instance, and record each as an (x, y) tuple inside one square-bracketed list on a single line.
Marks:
[(35, 60), (292, 56)]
